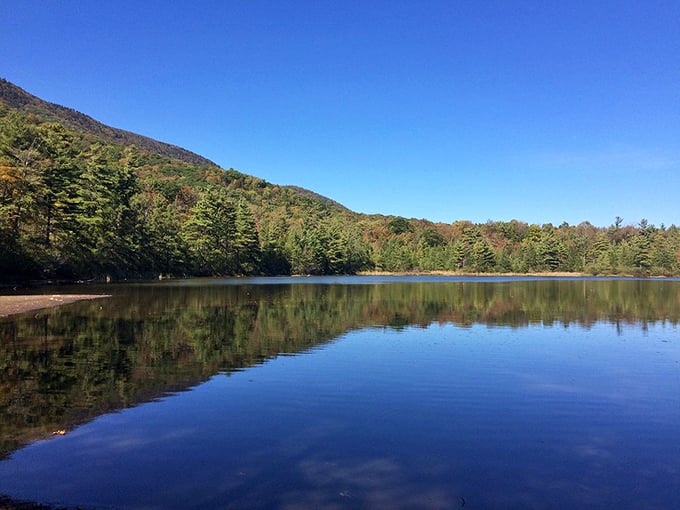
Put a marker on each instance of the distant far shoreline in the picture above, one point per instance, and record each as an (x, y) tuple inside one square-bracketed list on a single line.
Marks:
[(544, 274)]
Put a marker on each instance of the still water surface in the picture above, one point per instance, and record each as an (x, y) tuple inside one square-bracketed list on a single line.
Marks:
[(347, 393)]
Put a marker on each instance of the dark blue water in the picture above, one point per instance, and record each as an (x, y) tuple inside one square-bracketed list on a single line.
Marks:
[(437, 415)]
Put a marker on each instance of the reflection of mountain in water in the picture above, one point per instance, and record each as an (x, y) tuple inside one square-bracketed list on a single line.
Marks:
[(65, 366)]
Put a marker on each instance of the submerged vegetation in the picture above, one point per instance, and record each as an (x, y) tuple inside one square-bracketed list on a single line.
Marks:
[(81, 200)]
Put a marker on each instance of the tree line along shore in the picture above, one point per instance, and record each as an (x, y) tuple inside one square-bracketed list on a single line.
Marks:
[(75, 205)]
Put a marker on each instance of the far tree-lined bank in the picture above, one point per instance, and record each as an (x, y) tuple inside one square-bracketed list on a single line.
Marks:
[(77, 204)]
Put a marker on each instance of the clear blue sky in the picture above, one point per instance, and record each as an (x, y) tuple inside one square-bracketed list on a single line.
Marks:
[(445, 110)]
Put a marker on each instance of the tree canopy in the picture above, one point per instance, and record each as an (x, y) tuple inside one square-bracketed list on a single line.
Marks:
[(75, 205)]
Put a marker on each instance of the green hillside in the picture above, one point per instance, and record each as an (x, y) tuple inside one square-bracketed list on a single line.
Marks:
[(18, 99), (81, 200)]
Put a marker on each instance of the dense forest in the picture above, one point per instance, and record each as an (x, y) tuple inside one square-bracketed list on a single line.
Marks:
[(80, 200)]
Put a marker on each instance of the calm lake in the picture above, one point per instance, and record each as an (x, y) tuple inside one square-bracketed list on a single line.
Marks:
[(348, 392)]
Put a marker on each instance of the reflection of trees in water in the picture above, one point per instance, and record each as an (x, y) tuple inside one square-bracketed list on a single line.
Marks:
[(65, 366)]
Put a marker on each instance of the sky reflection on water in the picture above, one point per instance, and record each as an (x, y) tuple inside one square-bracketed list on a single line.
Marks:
[(434, 416), (410, 419)]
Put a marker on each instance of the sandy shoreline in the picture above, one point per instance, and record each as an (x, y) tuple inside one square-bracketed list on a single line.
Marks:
[(457, 273), (11, 305)]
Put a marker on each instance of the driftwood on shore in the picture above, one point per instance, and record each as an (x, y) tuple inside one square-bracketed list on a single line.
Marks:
[(10, 305)]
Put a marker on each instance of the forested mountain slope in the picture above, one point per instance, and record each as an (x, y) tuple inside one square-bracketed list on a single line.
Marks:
[(81, 200), (18, 99)]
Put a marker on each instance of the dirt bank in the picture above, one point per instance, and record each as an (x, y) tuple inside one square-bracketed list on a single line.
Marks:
[(10, 305)]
